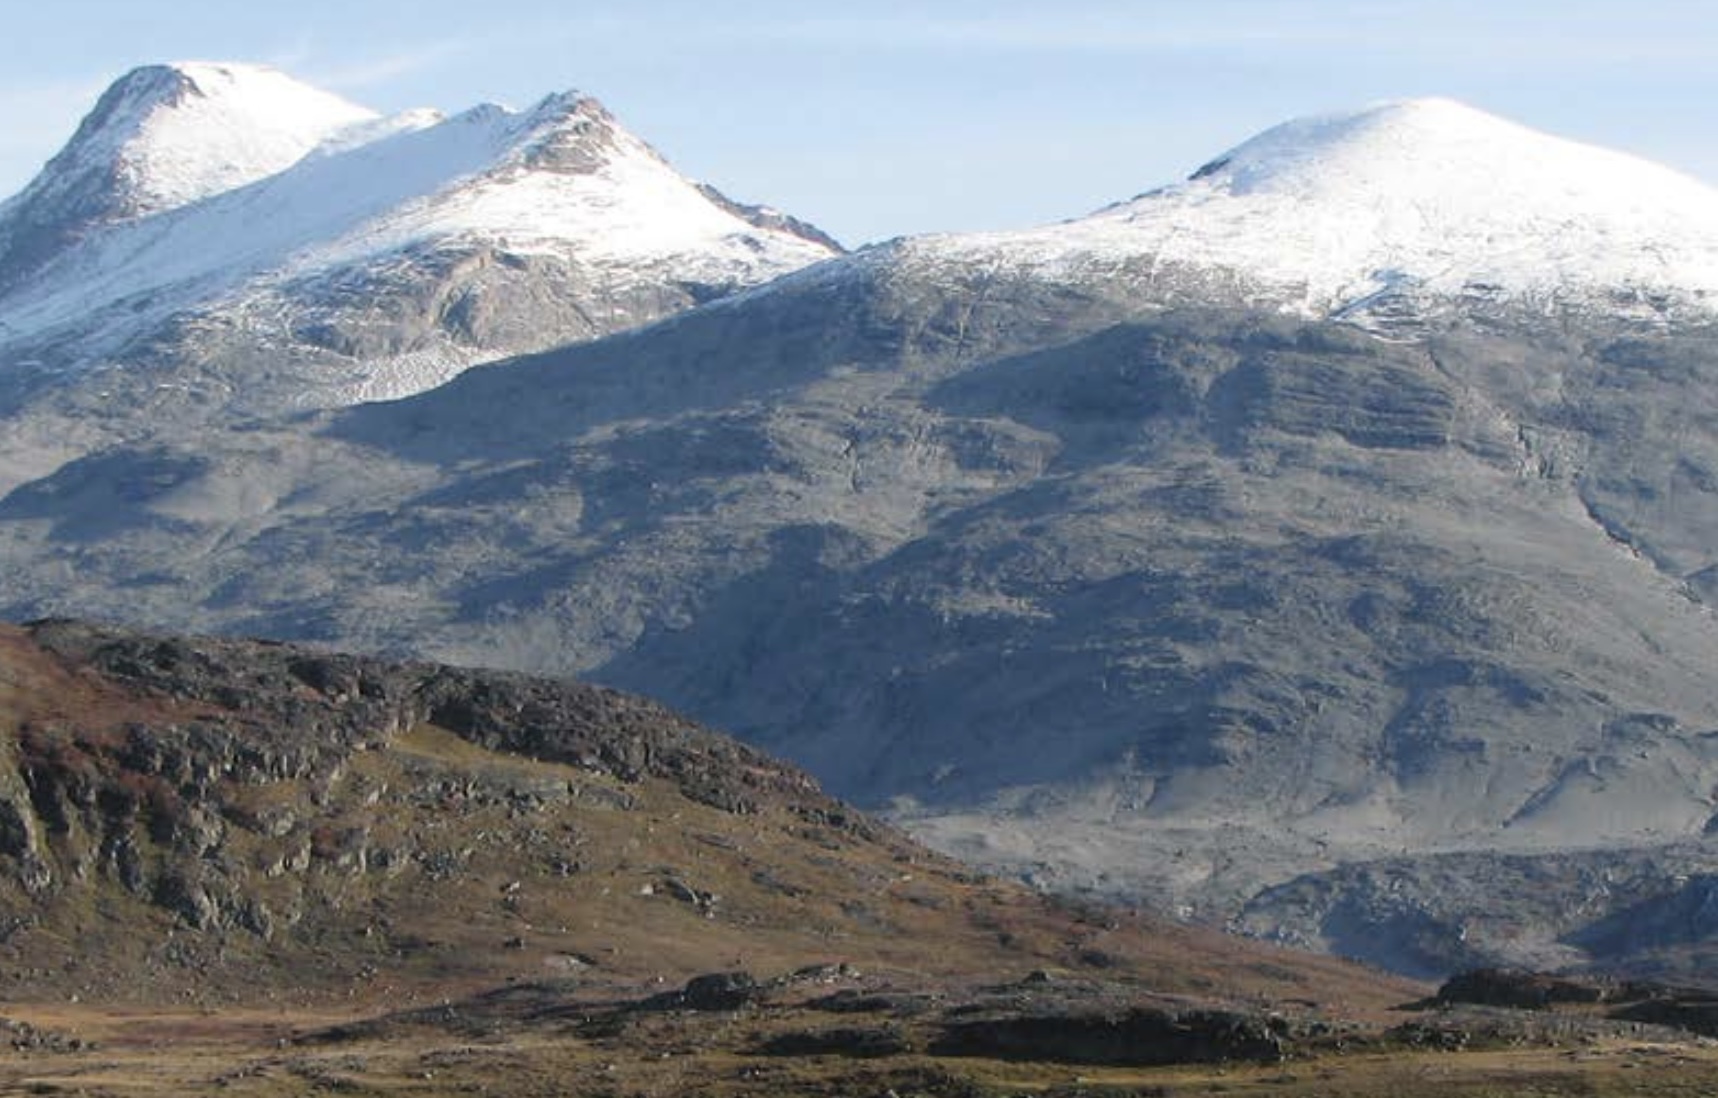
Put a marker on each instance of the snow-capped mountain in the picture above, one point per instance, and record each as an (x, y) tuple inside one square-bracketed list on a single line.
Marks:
[(1355, 214), (1144, 552), (222, 214)]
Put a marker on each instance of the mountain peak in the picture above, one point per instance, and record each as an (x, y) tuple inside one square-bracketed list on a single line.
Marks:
[(571, 132), (1418, 147), (1423, 199), (1391, 130), (172, 134), (221, 187), (162, 137)]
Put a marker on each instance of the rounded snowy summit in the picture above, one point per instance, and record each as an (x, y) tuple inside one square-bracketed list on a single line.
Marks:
[(1427, 197)]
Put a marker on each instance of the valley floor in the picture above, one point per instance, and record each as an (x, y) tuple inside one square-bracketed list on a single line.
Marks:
[(523, 1040)]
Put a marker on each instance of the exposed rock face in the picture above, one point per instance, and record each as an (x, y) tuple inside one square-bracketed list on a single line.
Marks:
[(354, 703), (1638, 911), (237, 803), (1690, 1011)]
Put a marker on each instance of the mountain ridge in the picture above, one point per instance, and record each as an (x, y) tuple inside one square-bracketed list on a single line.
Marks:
[(304, 251)]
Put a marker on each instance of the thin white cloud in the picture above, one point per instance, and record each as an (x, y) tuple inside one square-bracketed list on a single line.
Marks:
[(369, 72)]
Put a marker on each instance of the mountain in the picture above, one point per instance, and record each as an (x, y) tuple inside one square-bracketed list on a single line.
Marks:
[(1173, 553), (222, 240)]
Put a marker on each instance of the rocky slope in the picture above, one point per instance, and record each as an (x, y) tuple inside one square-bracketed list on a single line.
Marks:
[(252, 868), (1173, 602)]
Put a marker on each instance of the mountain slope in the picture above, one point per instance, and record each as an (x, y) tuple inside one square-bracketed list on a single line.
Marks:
[(1182, 603)]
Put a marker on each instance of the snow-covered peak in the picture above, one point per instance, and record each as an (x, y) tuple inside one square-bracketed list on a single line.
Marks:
[(1441, 134), (1425, 198), (1443, 151), (163, 137), (168, 135)]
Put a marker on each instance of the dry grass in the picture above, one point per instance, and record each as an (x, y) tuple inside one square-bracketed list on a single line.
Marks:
[(242, 1053)]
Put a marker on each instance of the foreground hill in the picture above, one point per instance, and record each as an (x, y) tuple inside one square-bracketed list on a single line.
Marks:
[(246, 868), (231, 823), (275, 837)]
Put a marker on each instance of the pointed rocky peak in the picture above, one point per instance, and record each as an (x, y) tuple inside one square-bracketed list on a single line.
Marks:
[(573, 133), (565, 176)]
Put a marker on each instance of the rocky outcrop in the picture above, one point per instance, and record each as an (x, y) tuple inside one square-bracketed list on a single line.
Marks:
[(1519, 989), (711, 991), (339, 704), (24, 1037), (1642, 1002), (1138, 1037), (1692, 1011)]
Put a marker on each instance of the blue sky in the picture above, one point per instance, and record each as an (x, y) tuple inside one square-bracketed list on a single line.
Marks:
[(888, 117)]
